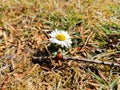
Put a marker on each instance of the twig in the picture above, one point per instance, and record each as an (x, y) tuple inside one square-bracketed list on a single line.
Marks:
[(80, 59)]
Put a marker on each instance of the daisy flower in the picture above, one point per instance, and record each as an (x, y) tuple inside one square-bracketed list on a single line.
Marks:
[(60, 37)]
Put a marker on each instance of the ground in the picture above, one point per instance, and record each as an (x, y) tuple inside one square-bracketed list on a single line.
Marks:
[(24, 34)]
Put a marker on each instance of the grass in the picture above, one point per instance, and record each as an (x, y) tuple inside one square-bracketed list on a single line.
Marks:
[(95, 31)]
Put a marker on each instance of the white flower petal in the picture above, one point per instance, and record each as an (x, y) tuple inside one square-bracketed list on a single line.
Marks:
[(67, 42)]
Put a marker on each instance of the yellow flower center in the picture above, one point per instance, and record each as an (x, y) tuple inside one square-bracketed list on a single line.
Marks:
[(61, 37)]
